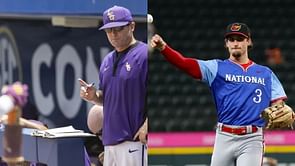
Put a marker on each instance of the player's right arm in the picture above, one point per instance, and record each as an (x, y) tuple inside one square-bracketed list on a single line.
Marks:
[(188, 65), (89, 93)]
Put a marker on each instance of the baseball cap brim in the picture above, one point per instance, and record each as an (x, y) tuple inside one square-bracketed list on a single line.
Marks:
[(235, 33), (114, 24)]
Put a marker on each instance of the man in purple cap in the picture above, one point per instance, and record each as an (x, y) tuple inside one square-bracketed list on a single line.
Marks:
[(241, 89), (122, 91)]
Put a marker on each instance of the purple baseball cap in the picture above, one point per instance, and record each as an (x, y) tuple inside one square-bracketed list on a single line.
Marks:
[(116, 16)]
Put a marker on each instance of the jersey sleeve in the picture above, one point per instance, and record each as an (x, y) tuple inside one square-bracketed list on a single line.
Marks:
[(208, 70), (277, 90), (188, 65)]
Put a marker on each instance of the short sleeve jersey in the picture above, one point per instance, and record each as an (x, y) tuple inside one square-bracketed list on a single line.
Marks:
[(240, 94), (124, 89)]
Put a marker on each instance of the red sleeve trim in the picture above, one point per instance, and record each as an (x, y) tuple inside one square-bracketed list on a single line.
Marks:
[(188, 65), (281, 98)]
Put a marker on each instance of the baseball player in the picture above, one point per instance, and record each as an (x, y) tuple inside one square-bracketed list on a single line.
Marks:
[(122, 91), (241, 89)]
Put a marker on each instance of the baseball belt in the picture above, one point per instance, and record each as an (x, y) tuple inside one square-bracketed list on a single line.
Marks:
[(239, 130)]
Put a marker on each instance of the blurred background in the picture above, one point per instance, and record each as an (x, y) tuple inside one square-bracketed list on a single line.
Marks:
[(183, 108)]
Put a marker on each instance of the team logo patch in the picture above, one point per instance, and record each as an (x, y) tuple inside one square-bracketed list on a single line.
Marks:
[(111, 15), (235, 27), (128, 67)]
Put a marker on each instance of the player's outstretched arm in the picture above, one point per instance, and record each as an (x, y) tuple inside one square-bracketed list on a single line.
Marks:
[(188, 65), (89, 93)]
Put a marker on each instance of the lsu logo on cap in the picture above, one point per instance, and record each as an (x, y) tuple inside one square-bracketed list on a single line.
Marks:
[(111, 15), (235, 27)]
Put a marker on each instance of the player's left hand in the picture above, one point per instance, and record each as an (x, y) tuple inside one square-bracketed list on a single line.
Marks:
[(142, 133), (278, 116)]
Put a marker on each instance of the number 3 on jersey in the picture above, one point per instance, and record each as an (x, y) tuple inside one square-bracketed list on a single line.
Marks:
[(257, 98)]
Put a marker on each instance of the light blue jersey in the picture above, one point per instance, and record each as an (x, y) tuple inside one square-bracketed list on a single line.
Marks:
[(241, 95)]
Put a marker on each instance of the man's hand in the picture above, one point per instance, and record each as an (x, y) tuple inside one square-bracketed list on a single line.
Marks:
[(158, 43), (87, 91), (142, 133)]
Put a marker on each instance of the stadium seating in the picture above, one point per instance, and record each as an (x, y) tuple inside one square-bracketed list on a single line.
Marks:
[(177, 102)]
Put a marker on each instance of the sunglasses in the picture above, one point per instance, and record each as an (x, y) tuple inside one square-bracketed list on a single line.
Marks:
[(115, 29), (237, 38)]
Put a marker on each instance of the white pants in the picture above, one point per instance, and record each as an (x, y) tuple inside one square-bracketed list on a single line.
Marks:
[(238, 150), (125, 154)]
